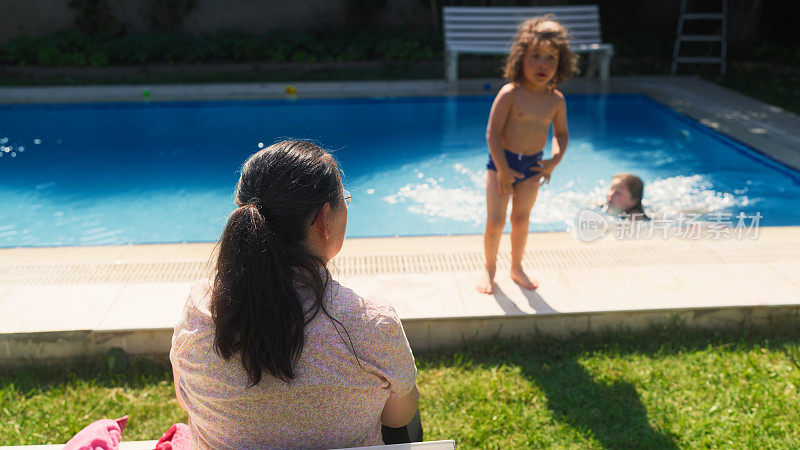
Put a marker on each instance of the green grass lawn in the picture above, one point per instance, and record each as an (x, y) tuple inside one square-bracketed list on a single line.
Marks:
[(666, 388)]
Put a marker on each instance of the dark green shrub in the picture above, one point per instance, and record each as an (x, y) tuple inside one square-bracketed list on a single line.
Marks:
[(98, 59), (71, 48), (49, 56), (22, 50), (405, 50), (775, 53), (303, 56), (127, 50), (75, 59)]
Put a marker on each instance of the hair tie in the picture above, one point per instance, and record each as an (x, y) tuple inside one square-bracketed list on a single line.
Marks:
[(256, 203)]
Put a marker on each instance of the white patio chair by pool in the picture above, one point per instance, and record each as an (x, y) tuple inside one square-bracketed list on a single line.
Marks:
[(491, 30)]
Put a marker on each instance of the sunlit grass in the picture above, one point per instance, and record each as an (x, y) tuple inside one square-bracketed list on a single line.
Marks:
[(50, 403), (667, 388)]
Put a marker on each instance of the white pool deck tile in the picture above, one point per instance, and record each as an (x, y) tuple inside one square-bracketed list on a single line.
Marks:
[(621, 288), (57, 307), (789, 270), (146, 305), (555, 293), (736, 284), (413, 295), (768, 280)]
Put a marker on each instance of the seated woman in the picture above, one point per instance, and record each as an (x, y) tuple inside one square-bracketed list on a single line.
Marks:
[(271, 352), (625, 196)]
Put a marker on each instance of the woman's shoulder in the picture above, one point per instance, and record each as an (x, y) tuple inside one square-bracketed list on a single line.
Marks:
[(195, 323), (366, 306), (375, 328), (197, 308), (200, 296)]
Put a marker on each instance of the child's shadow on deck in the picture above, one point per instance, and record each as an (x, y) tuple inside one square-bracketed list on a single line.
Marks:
[(536, 301), (613, 413)]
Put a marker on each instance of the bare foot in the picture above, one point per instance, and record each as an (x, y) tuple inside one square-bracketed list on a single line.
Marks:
[(486, 284), (522, 279)]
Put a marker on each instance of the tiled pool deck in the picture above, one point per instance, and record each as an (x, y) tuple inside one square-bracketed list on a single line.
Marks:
[(66, 301)]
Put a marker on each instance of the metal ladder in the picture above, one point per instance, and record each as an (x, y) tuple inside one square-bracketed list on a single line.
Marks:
[(721, 38)]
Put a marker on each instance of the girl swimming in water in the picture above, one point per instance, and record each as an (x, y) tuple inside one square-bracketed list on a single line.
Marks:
[(625, 196)]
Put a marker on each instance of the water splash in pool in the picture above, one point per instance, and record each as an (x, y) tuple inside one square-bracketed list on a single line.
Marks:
[(694, 194), (557, 206)]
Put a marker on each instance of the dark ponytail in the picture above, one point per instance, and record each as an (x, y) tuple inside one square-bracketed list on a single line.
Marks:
[(263, 258)]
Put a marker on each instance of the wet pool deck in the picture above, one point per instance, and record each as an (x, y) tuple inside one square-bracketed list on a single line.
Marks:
[(67, 301)]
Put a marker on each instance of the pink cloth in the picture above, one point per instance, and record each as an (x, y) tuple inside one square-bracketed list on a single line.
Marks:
[(104, 434), (178, 437)]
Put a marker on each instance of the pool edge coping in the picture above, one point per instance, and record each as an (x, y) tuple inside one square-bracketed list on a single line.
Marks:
[(424, 333)]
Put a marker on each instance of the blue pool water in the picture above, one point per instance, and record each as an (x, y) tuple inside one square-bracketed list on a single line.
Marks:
[(165, 172)]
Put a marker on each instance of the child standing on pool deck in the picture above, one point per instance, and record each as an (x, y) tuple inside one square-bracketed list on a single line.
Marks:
[(521, 114)]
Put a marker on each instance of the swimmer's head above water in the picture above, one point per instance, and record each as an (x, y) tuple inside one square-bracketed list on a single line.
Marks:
[(625, 194)]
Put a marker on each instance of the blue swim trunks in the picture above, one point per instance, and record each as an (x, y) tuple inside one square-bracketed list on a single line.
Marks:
[(519, 163)]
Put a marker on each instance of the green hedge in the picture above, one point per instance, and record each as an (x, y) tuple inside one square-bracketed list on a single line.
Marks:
[(71, 48)]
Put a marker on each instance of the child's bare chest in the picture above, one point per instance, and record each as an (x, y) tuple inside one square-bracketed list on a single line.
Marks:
[(533, 112)]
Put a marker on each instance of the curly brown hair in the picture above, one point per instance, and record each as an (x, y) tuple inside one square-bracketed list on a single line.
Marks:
[(536, 31)]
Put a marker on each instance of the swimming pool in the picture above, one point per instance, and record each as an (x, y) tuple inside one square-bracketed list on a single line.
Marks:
[(87, 174)]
